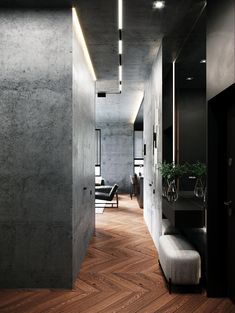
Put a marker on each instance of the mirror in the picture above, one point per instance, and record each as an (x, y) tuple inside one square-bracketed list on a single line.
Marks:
[(190, 99)]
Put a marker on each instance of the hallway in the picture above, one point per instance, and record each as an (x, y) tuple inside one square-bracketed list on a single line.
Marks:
[(120, 274)]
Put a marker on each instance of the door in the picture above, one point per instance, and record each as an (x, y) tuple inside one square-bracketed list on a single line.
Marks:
[(230, 201)]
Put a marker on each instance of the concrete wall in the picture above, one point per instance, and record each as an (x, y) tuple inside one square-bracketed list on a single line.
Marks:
[(83, 155), (138, 144), (220, 46), (117, 154), (36, 156), (153, 122)]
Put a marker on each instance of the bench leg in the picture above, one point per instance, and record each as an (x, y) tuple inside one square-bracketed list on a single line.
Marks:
[(169, 285), (117, 198)]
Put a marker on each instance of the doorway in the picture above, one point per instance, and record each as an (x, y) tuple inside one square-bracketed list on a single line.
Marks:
[(221, 194), (230, 199)]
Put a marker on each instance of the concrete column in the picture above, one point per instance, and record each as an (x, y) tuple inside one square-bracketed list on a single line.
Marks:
[(38, 139), (153, 123)]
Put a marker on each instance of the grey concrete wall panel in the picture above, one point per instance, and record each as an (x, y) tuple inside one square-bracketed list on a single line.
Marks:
[(117, 154), (152, 177), (83, 155), (36, 155), (220, 46)]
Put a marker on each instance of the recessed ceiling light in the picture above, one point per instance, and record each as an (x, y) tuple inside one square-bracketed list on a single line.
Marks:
[(120, 87), (203, 61), (120, 21), (120, 46), (190, 78), (158, 4), (120, 73)]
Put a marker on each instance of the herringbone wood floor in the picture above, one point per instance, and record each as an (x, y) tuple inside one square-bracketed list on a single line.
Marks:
[(120, 274)]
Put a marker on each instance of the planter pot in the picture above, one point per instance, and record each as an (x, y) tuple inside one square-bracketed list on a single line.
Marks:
[(199, 188), (172, 194), (164, 188)]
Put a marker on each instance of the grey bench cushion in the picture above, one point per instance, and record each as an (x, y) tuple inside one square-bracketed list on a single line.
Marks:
[(179, 260), (167, 228)]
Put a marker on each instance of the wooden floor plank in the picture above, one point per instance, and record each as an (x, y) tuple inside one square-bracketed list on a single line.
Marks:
[(120, 274)]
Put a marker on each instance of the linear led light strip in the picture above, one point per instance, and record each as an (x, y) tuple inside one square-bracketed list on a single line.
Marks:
[(174, 117), (80, 35), (120, 17)]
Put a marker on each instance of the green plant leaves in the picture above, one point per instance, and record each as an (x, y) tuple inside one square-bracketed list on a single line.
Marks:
[(171, 171)]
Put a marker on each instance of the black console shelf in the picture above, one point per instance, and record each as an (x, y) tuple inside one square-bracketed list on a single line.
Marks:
[(186, 212)]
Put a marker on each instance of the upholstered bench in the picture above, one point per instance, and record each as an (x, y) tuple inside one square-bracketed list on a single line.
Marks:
[(167, 228), (180, 262)]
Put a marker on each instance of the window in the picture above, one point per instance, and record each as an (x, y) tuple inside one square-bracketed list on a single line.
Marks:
[(97, 152)]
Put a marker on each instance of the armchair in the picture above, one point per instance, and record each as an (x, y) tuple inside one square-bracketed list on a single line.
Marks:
[(107, 196)]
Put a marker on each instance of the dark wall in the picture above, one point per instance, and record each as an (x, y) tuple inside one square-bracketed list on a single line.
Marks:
[(220, 89), (191, 112), (167, 112), (191, 104), (220, 46)]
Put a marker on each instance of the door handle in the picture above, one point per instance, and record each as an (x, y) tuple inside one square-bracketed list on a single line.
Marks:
[(228, 205)]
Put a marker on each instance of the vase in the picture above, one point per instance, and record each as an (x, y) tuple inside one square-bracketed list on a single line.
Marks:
[(164, 188), (172, 194), (199, 188)]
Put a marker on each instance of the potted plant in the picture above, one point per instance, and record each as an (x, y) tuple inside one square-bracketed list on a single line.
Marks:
[(165, 169), (170, 173), (198, 170)]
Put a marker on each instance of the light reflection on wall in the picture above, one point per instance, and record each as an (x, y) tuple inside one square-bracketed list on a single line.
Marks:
[(78, 30)]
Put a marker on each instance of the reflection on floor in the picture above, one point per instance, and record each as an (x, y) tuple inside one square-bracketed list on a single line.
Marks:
[(120, 274), (99, 210)]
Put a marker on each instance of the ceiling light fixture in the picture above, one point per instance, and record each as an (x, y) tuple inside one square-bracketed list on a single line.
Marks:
[(203, 61), (120, 46), (158, 5), (119, 14), (190, 78), (174, 112), (120, 20), (120, 73), (78, 31)]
